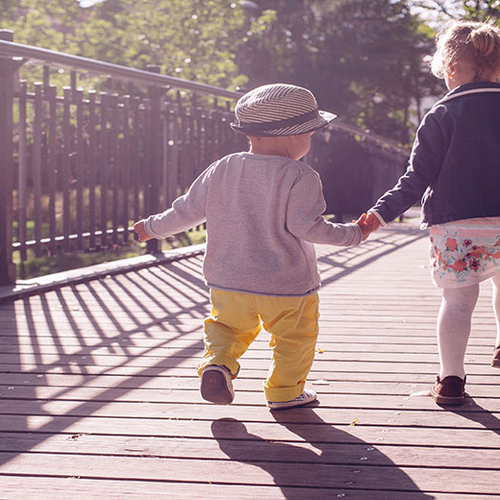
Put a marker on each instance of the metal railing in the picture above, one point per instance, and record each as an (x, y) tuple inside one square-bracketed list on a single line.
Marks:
[(79, 166), (19, 51)]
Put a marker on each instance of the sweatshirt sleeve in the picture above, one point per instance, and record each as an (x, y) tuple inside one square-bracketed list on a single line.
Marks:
[(304, 220), (187, 211)]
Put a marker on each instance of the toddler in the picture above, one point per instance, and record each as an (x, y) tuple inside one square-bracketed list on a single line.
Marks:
[(263, 210), (455, 166)]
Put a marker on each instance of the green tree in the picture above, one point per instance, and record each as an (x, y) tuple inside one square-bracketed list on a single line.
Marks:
[(444, 10), (49, 24), (190, 39), (362, 58)]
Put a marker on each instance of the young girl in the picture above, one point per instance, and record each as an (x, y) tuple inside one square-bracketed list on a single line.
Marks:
[(455, 165)]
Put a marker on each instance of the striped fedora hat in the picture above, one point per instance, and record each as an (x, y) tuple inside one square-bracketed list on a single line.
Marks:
[(279, 109)]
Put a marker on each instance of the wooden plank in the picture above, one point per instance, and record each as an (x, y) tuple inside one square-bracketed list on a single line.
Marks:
[(52, 165), (426, 374), (47, 488), (12, 374), (317, 429), (342, 342), (166, 170), (126, 151), (253, 398), (22, 172), (183, 145), (37, 168), (115, 165), (99, 384), (252, 450), (66, 167), (486, 386), (175, 151), (79, 167), (48, 386), (472, 416), (258, 357), (333, 393), (329, 346), (94, 362), (136, 161), (104, 164), (92, 165), (260, 473)]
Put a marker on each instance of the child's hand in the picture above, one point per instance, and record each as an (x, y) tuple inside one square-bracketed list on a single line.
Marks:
[(141, 233), (367, 223), (373, 222), (365, 228)]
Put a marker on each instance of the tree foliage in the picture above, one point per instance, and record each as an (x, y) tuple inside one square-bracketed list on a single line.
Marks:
[(443, 10), (364, 59), (190, 39)]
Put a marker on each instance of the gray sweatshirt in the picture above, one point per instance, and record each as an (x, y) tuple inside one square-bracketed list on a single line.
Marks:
[(263, 215)]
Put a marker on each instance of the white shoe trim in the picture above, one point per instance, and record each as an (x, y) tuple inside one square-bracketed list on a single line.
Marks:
[(306, 397)]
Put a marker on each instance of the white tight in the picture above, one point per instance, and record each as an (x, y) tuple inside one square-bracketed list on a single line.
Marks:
[(454, 324)]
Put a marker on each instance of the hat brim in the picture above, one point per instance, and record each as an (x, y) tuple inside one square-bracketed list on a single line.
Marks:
[(323, 119), (327, 116)]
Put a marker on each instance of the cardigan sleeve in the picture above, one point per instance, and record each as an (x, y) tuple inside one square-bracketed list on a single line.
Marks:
[(427, 156)]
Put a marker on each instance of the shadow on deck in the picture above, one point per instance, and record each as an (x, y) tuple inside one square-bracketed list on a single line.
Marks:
[(99, 394)]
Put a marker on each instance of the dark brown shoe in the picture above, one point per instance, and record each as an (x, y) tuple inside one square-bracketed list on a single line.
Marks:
[(496, 357), (449, 391)]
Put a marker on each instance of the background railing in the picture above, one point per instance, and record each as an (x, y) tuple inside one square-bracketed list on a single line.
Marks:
[(79, 165), (356, 167), (84, 164)]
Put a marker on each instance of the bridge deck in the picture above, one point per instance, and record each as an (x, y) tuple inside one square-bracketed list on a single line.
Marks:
[(99, 396)]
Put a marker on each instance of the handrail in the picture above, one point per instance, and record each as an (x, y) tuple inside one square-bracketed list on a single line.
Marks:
[(381, 141), (114, 70)]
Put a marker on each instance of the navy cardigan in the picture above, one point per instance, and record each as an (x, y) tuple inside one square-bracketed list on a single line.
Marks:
[(455, 160)]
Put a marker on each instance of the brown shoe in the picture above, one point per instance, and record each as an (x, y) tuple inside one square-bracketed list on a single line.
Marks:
[(496, 357), (449, 391)]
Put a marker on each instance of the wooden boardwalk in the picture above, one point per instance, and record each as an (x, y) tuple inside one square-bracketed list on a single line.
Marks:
[(99, 396)]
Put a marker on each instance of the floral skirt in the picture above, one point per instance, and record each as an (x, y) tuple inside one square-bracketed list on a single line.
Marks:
[(465, 252)]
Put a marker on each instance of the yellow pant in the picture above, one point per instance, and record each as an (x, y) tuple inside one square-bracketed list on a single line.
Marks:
[(237, 319)]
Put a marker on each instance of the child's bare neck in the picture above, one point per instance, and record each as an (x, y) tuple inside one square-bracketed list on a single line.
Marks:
[(463, 75), (267, 151), (274, 146)]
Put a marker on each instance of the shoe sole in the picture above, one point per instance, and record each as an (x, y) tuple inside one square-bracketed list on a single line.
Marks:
[(214, 388), (447, 400)]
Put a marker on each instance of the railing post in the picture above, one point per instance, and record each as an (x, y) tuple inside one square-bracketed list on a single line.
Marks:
[(153, 167), (7, 71)]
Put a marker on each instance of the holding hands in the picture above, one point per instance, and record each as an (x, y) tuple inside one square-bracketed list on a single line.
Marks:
[(368, 223)]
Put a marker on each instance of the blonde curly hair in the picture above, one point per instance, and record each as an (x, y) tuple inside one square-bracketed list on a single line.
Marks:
[(472, 45)]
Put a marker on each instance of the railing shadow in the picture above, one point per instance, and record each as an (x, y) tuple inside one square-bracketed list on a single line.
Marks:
[(88, 331), (379, 244), (71, 330)]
